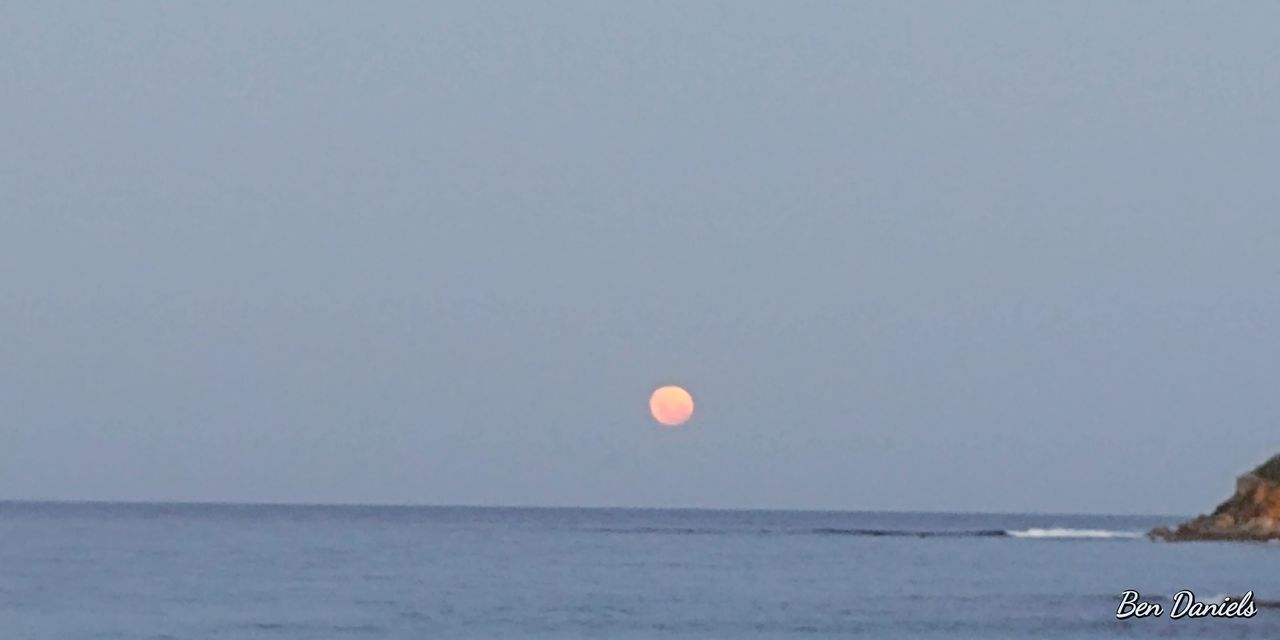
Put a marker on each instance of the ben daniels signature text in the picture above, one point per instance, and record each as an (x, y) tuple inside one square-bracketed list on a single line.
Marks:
[(1185, 605)]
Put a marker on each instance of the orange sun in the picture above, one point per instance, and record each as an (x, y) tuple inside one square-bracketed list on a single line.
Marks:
[(671, 405)]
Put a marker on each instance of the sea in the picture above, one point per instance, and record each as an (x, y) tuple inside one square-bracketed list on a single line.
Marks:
[(187, 571)]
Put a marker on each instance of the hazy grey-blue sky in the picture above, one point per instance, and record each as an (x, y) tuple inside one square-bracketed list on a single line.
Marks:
[(963, 256)]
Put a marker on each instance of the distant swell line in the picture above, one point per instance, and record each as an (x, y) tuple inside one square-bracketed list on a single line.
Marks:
[(899, 533), (1034, 533), (679, 531), (1052, 533)]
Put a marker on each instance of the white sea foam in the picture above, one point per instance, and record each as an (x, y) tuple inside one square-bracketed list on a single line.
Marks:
[(1073, 533)]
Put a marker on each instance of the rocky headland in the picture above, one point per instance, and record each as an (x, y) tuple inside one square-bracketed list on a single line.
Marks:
[(1252, 514)]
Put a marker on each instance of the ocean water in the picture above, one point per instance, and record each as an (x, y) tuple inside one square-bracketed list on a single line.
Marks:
[(285, 572)]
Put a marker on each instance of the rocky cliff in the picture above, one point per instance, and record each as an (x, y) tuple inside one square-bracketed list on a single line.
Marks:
[(1253, 513)]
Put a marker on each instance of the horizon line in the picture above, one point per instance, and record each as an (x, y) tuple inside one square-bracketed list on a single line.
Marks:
[(394, 505)]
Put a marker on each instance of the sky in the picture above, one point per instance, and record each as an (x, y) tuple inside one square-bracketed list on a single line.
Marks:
[(905, 255)]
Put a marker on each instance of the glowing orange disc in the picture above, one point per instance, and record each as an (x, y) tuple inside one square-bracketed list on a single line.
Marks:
[(671, 406)]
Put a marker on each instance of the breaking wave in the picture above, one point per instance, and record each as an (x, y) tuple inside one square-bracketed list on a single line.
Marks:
[(1074, 533)]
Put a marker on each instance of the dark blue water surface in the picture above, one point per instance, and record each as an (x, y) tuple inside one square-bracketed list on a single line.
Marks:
[(228, 571)]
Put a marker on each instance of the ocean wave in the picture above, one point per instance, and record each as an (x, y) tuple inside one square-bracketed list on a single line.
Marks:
[(908, 533), (1045, 533), (1073, 533)]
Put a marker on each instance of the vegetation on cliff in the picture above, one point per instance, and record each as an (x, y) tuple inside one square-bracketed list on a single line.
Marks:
[(1269, 470)]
